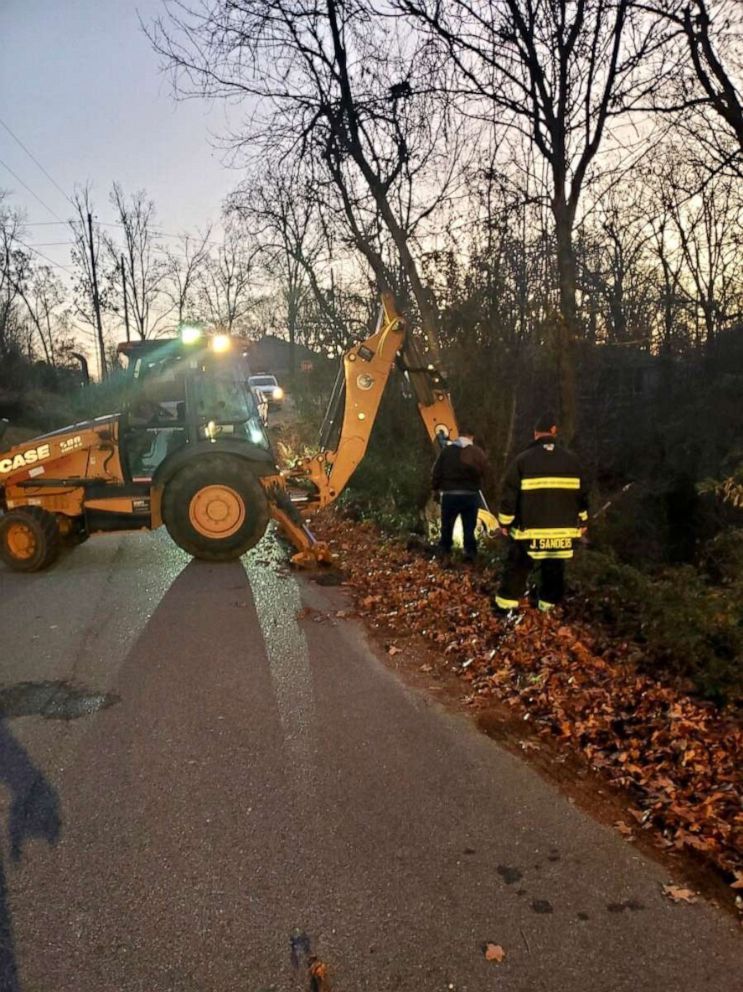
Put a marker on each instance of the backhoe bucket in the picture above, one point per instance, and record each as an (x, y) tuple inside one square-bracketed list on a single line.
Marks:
[(309, 552)]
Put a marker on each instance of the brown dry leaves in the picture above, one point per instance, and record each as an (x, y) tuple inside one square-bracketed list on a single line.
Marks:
[(676, 893), (494, 952), (676, 757), (319, 977)]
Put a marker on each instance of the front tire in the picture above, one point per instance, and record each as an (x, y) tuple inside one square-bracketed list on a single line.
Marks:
[(29, 539), (215, 508)]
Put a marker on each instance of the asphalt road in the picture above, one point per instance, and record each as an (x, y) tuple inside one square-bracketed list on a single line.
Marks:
[(262, 789)]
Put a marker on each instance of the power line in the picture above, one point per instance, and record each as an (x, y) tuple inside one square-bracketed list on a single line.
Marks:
[(165, 234), (35, 196), (72, 220), (156, 233), (53, 181), (33, 158), (65, 268), (153, 247), (72, 244), (110, 223)]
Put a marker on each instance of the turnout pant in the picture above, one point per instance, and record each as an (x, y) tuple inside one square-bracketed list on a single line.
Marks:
[(464, 505), (550, 578)]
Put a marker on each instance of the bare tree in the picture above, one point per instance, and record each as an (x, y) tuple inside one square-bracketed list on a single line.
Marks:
[(184, 270), (44, 298), (340, 88), (616, 271), (145, 271), (15, 263), (227, 281), (558, 73), (91, 290), (716, 78), (289, 245), (708, 53), (32, 298), (333, 319), (493, 281), (709, 230), (664, 249)]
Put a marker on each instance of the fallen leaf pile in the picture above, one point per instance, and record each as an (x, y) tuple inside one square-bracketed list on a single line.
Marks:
[(678, 758)]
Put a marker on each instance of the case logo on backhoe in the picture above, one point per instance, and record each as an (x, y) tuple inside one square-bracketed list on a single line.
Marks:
[(29, 457)]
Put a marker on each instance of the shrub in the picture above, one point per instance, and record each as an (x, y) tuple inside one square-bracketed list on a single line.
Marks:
[(685, 626), (392, 495), (721, 559)]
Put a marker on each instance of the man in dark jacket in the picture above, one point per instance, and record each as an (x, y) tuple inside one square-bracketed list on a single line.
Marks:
[(457, 475), (543, 509)]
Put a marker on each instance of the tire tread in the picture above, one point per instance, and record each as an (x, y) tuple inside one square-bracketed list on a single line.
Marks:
[(48, 531), (206, 470)]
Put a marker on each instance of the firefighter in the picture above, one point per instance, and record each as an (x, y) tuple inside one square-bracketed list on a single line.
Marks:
[(543, 510)]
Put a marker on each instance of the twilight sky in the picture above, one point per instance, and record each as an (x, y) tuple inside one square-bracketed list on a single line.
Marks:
[(81, 87)]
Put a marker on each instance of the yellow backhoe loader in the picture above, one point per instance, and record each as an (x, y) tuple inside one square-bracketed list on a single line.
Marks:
[(189, 450)]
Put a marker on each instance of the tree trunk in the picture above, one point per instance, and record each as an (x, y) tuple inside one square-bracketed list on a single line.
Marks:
[(510, 430), (567, 326), (292, 313)]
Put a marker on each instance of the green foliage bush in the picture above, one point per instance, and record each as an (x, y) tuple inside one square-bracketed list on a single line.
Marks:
[(41, 409), (684, 625), (722, 558), (393, 500), (39, 397)]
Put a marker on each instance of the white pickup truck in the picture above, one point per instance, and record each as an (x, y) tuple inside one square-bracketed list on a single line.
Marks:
[(266, 386)]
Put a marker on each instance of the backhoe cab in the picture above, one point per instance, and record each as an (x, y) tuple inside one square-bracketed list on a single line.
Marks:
[(188, 449)]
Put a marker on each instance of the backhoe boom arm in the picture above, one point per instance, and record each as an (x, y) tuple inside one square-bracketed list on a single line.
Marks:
[(366, 369)]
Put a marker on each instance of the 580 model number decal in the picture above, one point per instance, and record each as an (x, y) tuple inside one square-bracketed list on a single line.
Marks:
[(29, 457), (70, 443)]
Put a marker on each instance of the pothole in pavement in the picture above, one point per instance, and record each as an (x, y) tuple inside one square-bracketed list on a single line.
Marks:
[(52, 700)]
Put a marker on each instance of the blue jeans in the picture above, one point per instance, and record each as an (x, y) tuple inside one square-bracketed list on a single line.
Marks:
[(464, 505)]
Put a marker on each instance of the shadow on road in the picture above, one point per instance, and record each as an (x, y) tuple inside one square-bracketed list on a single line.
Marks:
[(34, 812)]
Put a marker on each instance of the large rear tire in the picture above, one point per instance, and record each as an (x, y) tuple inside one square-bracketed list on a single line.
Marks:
[(215, 508), (29, 538)]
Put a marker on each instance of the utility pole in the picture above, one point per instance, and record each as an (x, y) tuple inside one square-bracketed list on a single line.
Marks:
[(126, 304), (96, 301)]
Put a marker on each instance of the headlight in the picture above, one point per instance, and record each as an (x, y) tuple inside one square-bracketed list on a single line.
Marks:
[(278, 393), (221, 342), (189, 334)]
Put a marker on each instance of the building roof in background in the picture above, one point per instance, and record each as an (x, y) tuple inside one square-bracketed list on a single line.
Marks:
[(273, 354)]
